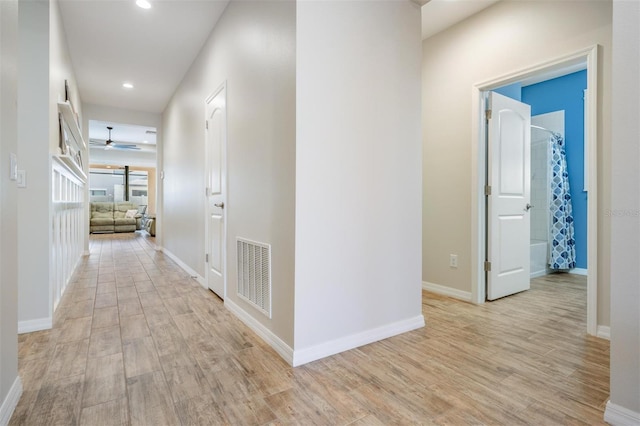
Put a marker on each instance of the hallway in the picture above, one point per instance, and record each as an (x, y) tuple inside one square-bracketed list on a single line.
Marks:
[(137, 341)]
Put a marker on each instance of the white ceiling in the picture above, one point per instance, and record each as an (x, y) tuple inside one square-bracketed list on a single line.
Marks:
[(123, 133), (438, 15), (112, 41)]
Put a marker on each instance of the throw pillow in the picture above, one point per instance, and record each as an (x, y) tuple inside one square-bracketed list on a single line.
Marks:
[(130, 214)]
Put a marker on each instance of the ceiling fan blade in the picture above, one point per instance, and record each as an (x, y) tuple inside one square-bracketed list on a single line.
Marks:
[(125, 147)]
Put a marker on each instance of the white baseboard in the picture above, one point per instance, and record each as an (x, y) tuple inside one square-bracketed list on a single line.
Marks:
[(184, 266), (10, 402), (447, 291), (579, 271), (201, 281), (619, 416), (35, 325), (538, 274), (303, 356), (603, 332), (267, 335)]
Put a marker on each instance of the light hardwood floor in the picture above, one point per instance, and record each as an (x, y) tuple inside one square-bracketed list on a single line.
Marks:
[(137, 341)]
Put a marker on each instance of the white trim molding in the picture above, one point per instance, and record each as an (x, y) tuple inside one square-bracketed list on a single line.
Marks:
[(11, 401), (603, 332), (184, 266), (579, 271), (267, 335), (619, 416), (447, 291), (303, 356), (39, 324)]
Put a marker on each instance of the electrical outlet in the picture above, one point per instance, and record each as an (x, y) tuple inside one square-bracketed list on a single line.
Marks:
[(453, 260)]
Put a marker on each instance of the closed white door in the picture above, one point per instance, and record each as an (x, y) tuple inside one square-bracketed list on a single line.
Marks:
[(216, 134), (508, 204)]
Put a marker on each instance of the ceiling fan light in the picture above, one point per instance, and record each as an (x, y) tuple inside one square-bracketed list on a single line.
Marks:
[(144, 4)]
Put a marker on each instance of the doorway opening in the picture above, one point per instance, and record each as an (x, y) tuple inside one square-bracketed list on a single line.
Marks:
[(122, 172), (585, 59)]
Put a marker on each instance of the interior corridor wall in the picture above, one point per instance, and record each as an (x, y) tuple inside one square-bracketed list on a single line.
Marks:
[(502, 39), (44, 65), (9, 380), (624, 404), (252, 49), (358, 173), (34, 230)]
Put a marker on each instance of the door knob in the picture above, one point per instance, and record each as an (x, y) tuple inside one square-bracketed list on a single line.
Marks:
[(221, 205), (528, 207)]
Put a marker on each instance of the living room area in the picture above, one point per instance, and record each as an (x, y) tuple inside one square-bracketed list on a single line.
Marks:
[(122, 178)]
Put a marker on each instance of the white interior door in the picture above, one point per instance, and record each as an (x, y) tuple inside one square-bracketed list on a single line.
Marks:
[(508, 205), (216, 134)]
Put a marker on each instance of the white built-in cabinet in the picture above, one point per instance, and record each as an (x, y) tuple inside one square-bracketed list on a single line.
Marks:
[(68, 187)]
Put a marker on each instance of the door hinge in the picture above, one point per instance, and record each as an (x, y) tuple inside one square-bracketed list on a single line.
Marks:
[(487, 190), (206, 124), (206, 192), (487, 266), (487, 114), (206, 257)]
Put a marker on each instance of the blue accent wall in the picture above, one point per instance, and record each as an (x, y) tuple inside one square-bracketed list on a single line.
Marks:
[(513, 91), (566, 93)]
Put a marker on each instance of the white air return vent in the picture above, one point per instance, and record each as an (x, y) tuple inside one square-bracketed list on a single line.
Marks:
[(254, 274)]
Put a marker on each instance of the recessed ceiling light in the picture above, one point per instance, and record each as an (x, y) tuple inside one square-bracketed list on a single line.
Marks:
[(145, 141), (127, 85), (143, 4)]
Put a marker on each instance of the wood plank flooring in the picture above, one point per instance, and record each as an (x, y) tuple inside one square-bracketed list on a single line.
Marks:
[(136, 341)]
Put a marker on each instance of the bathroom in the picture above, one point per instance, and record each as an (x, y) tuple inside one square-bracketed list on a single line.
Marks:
[(557, 105)]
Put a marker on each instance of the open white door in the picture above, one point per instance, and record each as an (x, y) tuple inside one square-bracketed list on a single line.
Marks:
[(216, 134), (508, 205)]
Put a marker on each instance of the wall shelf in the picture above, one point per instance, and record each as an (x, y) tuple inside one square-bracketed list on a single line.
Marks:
[(70, 164), (69, 117)]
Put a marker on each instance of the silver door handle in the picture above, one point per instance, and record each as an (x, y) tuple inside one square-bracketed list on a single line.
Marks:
[(528, 207), (221, 205)]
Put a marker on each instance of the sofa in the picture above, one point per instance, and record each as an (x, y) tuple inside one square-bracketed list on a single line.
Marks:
[(107, 217)]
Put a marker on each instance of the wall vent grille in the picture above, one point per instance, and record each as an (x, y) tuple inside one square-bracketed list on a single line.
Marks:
[(254, 274)]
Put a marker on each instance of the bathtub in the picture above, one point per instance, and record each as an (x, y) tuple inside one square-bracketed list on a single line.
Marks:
[(539, 256)]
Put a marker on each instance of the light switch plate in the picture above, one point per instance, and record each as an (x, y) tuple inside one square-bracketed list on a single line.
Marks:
[(22, 179), (13, 166)]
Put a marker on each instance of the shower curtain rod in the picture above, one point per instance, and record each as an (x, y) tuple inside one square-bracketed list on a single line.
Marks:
[(533, 126)]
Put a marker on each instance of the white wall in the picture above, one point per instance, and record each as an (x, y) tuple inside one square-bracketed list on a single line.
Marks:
[(8, 209), (358, 174), (504, 38), (44, 65), (123, 157), (252, 48), (625, 208), (34, 231), (124, 116)]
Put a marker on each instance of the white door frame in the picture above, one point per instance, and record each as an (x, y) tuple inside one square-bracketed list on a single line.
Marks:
[(222, 87), (478, 170)]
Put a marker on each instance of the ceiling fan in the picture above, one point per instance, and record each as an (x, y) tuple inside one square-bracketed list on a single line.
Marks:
[(110, 144)]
